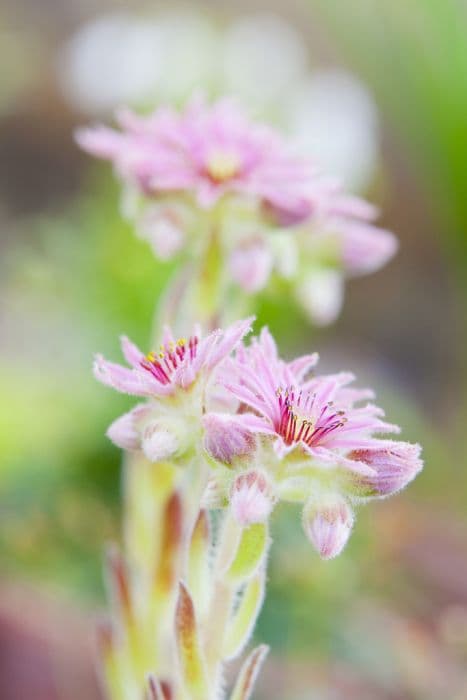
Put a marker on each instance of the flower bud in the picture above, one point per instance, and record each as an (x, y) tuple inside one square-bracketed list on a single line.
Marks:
[(327, 523), (124, 430), (366, 248), (123, 433), (159, 442), (251, 499), (250, 265), (395, 465), (225, 438), (285, 254), (321, 295), (162, 228)]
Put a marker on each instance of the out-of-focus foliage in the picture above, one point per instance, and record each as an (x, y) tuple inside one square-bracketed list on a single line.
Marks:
[(84, 282), (414, 56)]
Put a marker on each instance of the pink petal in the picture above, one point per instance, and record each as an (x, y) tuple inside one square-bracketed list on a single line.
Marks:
[(131, 352)]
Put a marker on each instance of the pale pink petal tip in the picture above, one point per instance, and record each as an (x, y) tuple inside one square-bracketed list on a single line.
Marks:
[(328, 526), (118, 377), (225, 438), (99, 369), (251, 499), (367, 248), (99, 141), (131, 352)]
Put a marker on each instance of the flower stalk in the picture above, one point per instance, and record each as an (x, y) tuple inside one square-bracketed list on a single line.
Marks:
[(226, 429)]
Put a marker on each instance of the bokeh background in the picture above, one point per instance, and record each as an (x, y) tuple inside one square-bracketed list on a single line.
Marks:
[(378, 92)]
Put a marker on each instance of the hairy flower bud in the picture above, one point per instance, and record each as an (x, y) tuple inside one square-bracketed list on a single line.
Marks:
[(163, 229), (321, 295), (250, 265), (159, 442), (123, 433), (327, 523), (225, 438), (395, 465), (251, 499)]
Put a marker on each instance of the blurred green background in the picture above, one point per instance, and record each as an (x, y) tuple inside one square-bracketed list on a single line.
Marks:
[(379, 89)]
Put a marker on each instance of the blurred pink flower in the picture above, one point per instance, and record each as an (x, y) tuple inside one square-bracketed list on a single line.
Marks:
[(208, 150)]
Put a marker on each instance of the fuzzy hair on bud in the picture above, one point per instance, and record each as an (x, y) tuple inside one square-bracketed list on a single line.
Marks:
[(327, 525), (159, 443), (251, 499)]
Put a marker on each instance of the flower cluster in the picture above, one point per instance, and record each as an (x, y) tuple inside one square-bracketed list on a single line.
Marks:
[(208, 174), (288, 434), (225, 424)]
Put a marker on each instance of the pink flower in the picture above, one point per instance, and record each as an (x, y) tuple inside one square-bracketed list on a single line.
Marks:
[(211, 151), (328, 525), (174, 367), (318, 440), (317, 415), (251, 500), (167, 429)]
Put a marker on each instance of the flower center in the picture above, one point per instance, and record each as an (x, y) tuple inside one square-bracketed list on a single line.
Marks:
[(222, 165), (162, 365), (301, 420)]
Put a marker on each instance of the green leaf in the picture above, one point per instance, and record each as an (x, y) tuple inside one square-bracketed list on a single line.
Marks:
[(244, 618), (251, 552)]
